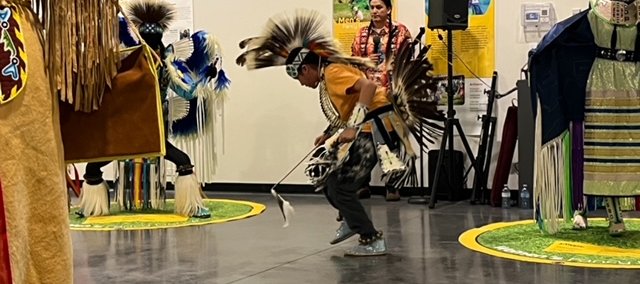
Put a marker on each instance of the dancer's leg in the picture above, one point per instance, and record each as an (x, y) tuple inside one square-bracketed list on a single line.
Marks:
[(342, 186), (94, 197), (189, 201)]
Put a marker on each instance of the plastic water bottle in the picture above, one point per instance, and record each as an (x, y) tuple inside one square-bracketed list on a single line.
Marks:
[(525, 197), (506, 197)]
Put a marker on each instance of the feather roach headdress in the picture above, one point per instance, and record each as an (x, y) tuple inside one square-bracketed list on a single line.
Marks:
[(288, 39), (151, 18)]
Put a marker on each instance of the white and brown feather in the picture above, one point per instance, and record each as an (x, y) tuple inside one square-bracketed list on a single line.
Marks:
[(285, 32)]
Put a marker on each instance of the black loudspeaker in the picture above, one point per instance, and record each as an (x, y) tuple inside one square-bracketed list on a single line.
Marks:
[(448, 14), (455, 191)]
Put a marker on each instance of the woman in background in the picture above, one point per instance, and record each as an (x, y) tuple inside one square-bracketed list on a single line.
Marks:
[(380, 41)]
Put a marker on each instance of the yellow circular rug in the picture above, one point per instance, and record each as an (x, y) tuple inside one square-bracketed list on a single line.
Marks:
[(594, 247), (222, 210)]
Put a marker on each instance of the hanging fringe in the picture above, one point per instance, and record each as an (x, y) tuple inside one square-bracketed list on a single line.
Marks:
[(549, 181), (221, 102), (188, 198), (146, 190), (81, 48), (549, 193), (568, 197), (120, 186), (137, 178), (94, 199), (140, 184), (202, 140), (196, 130), (628, 203), (217, 109), (162, 182)]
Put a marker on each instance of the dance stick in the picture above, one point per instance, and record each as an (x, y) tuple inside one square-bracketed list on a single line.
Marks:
[(285, 206)]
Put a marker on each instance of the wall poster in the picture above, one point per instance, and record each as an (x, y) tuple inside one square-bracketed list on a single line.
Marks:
[(475, 48), (348, 17)]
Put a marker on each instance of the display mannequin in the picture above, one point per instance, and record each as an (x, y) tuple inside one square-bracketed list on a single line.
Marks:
[(601, 154)]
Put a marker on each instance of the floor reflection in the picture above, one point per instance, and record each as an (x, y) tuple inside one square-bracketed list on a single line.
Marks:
[(423, 249)]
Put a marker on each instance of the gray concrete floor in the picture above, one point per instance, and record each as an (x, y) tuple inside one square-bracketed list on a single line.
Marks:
[(423, 248)]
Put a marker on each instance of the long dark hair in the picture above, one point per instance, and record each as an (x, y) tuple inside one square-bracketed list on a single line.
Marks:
[(392, 29)]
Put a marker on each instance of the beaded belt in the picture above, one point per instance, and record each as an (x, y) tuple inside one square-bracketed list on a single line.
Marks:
[(618, 54)]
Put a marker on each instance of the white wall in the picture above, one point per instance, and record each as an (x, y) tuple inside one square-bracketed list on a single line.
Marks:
[(271, 121), (511, 55)]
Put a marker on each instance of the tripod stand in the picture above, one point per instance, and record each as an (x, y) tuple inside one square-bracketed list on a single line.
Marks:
[(483, 160), (480, 193), (450, 123)]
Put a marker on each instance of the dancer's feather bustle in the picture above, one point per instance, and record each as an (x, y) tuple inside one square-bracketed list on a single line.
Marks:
[(413, 93)]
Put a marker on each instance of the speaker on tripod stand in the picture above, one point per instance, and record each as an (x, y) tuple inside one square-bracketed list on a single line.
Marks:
[(449, 15)]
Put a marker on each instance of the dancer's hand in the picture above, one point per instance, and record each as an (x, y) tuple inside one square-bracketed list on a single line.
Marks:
[(347, 135), (321, 139), (375, 57)]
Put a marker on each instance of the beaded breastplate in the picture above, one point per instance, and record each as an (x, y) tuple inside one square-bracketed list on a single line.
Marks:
[(618, 12), (328, 109)]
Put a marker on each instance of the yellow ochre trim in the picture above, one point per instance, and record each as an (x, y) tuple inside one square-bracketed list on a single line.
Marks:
[(589, 249), (611, 135), (256, 209), (469, 239), (145, 218), (631, 153), (616, 168), (609, 102), (608, 118)]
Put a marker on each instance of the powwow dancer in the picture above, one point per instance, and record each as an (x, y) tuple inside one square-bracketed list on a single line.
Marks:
[(188, 69), (361, 113)]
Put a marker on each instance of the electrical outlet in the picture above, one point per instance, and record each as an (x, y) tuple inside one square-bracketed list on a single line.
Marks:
[(576, 11)]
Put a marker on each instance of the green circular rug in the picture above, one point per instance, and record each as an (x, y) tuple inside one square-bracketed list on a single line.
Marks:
[(222, 210), (594, 247)]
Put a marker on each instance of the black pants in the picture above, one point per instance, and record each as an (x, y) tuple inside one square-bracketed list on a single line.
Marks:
[(341, 185), (93, 174)]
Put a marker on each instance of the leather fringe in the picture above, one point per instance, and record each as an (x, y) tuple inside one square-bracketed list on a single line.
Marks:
[(81, 48)]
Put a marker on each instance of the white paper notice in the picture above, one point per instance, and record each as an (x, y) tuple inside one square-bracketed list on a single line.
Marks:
[(183, 24)]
